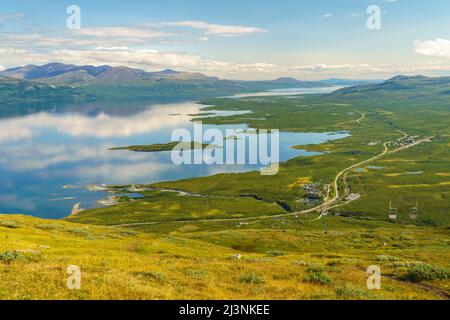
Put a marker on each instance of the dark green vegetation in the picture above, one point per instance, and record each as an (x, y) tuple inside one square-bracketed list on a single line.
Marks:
[(420, 272), (420, 174), (15, 91), (167, 206), (158, 147)]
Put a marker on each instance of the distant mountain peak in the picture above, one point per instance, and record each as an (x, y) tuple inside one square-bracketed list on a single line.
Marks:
[(287, 79), (403, 78), (168, 72)]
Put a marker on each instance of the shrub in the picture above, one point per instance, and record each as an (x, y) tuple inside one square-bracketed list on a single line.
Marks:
[(275, 253), (17, 256), (351, 292), (319, 277), (425, 272), (197, 273), (49, 226), (155, 275), (9, 224), (401, 266), (80, 231), (333, 263), (251, 278), (11, 256), (313, 267), (386, 258)]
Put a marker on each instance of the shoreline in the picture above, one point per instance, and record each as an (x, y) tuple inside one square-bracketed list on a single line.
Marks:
[(203, 107)]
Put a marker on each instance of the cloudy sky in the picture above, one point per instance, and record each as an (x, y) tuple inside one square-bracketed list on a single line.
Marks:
[(233, 39)]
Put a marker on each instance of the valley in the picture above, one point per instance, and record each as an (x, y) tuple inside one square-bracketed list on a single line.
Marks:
[(248, 236)]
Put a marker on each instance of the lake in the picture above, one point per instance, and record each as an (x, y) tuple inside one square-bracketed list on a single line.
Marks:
[(47, 159)]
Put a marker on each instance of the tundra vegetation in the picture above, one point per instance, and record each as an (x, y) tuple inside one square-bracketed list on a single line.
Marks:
[(244, 236)]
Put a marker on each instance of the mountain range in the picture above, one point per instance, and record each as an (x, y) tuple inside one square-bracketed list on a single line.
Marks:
[(407, 86), (56, 82), (59, 73)]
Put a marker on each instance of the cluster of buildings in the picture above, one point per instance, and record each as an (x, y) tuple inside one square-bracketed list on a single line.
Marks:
[(405, 142), (353, 197), (313, 191)]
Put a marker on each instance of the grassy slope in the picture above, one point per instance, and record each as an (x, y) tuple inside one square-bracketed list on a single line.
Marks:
[(122, 264)]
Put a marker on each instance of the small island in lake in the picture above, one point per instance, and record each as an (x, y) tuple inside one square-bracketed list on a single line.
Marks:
[(158, 147)]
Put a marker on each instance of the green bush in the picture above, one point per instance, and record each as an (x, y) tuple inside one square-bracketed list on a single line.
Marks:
[(319, 277), (17, 256), (9, 224), (155, 275), (351, 292), (251, 278), (425, 272), (275, 253), (386, 258), (11, 256), (313, 267), (49, 226), (197, 273), (333, 263)]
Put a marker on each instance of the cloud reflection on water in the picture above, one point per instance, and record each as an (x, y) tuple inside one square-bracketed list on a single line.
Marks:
[(100, 126)]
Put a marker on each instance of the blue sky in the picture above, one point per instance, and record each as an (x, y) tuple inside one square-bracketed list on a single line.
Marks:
[(251, 39)]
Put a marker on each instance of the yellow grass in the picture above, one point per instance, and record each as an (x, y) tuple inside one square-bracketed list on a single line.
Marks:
[(420, 185), (443, 174), (123, 264), (300, 182)]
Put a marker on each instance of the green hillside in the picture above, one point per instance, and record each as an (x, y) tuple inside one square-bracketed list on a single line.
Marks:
[(15, 91)]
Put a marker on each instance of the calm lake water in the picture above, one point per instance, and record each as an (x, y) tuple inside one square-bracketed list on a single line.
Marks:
[(40, 153)]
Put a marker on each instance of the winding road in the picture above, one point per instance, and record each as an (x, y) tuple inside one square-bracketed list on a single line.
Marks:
[(327, 205)]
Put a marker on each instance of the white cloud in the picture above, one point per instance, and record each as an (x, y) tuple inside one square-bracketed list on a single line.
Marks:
[(86, 37), (434, 48), (217, 29), (139, 32), (2, 68), (127, 57), (336, 67), (327, 15)]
